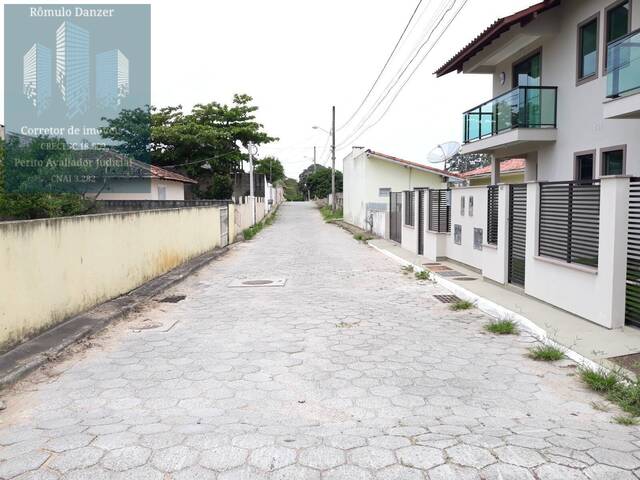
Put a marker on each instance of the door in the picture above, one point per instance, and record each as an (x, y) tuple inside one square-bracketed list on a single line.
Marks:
[(224, 226), (517, 233), (527, 72), (395, 216), (421, 194)]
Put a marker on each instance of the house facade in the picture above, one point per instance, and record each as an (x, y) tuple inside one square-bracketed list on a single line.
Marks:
[(565, 81), (566, 88), (369, 178)]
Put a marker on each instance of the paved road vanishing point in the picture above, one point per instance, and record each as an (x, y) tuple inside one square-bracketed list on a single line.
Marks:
[(351, 370)]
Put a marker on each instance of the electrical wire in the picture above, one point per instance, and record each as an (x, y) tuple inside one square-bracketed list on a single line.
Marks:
[(386, 64)]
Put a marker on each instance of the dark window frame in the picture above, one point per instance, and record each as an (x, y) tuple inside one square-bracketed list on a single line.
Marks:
[(614, 148), (581, 80), (605, 30), (409, 209), (524, 58), (576, 169)]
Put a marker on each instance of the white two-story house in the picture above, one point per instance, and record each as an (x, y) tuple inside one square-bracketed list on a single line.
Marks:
[(566, 88)]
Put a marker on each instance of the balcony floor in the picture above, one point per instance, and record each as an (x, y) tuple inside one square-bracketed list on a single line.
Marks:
[(512, 142), (627, 106)]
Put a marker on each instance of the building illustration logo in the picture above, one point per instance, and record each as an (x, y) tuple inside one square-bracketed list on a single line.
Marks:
[(36, 84), (73, 73)]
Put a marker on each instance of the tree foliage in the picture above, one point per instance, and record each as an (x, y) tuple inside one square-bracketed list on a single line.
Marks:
[(205, 137), (317, 184), (271, 168), (466, 162)]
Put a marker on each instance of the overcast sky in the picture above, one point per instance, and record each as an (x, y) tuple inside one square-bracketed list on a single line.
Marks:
[(299, 57)]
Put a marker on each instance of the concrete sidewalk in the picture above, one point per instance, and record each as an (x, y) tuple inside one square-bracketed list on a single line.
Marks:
[(592, 341)]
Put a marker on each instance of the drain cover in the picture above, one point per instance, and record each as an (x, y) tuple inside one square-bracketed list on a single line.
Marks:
[(173, 298), (465, 279), (259, 282), (446, 298), (450, 273)]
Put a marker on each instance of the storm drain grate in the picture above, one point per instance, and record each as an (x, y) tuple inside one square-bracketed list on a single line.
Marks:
[(446, 298), (450, 273), (465, 279), (173, 299)]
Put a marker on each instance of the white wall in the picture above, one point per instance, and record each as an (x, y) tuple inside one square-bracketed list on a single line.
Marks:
[(466, 253), (581, 125), (145, 190), (365, 174)]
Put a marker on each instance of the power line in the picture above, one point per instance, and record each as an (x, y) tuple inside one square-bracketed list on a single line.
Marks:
[(383, 67), (355, 135)]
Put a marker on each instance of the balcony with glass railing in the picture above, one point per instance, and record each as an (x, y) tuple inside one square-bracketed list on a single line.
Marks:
[(623, 77), (521, 108)]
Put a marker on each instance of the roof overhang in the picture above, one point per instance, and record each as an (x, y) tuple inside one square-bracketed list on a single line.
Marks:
[(506, 36), (416, 166)]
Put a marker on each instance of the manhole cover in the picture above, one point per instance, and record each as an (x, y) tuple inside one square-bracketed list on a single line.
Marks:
[(173, 298), (465, 279), (258, 282), (446, 298)]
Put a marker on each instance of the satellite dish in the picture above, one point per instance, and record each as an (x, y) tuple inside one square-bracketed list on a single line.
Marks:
[(443, 152)]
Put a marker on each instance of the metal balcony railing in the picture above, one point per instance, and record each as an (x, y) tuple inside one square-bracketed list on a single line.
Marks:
[(522, 107), (623, 65)]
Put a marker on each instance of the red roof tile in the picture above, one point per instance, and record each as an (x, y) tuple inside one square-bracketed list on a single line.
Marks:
[(415, 165), (493, 32), (506, 166)]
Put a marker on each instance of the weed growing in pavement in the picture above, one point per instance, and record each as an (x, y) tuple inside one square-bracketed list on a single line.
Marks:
[(599, 380), (546, 353), (461, 305), (249, 233), (361, 237), (407, 269), (626, 420), (423, 275), (620, 390), (502, 327)]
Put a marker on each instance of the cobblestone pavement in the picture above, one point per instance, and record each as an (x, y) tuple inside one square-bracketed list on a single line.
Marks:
[(351, 371)]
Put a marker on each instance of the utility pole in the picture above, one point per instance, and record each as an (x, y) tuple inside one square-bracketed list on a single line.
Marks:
[(314, 159), (252, 198), (333, 158)]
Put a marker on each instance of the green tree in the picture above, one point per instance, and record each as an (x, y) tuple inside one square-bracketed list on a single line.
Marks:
[(319, 183), (466, 162), (132, 130), (205, 137), (292, 190), (271, 168)]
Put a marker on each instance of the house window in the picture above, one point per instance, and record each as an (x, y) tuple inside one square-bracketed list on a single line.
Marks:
[(162, 193), (462, 202), (471, 205), (527, 72), (588, 50), (618, 17), (613, 161), (384, 192), (409, 206), (584, 166)]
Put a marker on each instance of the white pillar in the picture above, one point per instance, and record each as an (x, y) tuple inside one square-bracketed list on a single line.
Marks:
[(495, 170), (612, 249)]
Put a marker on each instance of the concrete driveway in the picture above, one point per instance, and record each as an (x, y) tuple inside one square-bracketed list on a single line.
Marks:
[(351, 370)]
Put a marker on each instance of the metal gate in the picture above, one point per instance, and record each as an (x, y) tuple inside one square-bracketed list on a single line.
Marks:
[(517, 233), (632, 304), (421, 194), (395, 216), (224, 226)]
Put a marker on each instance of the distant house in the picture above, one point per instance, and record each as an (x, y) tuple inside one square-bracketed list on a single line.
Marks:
[(148, 182), (511, 171), (369, 177)]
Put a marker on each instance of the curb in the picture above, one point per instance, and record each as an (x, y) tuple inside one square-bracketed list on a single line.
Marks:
[(32, 354), (499, 312)]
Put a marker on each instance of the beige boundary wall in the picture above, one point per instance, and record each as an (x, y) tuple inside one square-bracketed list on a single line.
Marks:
[(53, 269)]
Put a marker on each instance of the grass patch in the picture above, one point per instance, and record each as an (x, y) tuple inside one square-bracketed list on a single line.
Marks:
[(599, 380), (362, 237), (252, 231), (625, 394), (328, 214), (626, 420), (423, 275), (407, 269), (502, 327), (461, 305), (546, 353)]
